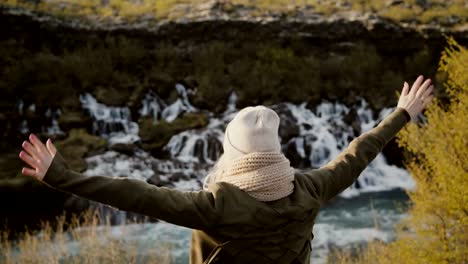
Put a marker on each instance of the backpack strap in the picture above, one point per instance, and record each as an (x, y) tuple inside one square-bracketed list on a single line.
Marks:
[(215, 253)]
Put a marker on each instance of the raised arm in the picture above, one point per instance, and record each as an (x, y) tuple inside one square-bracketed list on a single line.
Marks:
[(342, 171), (191, 209)]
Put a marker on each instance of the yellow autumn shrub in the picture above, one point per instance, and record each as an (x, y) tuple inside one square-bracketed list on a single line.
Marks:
[(436, 229)]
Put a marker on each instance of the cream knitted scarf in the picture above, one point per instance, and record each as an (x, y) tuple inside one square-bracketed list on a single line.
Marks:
[(266, 176)]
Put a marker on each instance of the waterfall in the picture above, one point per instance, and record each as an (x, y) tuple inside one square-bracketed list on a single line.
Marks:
[(113, 123), (23, 127), (50, 127), (322, 135), (153, 105), (53, 128)]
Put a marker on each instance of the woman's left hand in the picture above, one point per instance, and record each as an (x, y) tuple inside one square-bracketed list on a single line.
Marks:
[(38, 156)]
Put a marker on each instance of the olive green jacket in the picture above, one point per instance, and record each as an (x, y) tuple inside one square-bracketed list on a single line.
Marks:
[(229, 226)]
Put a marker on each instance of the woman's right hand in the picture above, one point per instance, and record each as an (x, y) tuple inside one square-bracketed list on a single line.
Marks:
[(414, 100), (38, 156)]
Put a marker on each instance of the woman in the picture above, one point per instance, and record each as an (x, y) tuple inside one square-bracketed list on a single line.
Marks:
[(254, 206)]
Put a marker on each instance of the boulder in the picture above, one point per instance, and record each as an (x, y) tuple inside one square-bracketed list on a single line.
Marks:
[(177, 176), (155, 180), (155, 135), (73, 120), (127, 149), (159, 181), (78, 145)]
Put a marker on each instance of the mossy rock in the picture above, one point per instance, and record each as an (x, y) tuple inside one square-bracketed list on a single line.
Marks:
[(78, 145), (73, 119), (112, 96), (155, 135)]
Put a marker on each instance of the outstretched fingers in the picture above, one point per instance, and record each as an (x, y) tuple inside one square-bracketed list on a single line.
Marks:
[(40, 148), (30, 172), (417, 98), (428, 91), (38, 156), (34, 163), (30, 149), (50, 147), (416, 85), (423, 88), (405, 90), (427, 100)]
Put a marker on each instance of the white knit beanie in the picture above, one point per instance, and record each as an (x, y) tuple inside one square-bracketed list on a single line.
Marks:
[(252, 158), (253, 129)]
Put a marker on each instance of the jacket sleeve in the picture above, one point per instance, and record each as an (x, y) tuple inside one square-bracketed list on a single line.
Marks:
[(341, 172), (196, 210)]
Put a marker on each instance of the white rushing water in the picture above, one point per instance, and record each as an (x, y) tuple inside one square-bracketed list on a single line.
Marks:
[(113, 123), (50, 124), (322, 135)]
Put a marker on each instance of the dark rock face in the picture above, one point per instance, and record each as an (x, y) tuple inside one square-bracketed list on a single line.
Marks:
[(352, 119), (288, 124)]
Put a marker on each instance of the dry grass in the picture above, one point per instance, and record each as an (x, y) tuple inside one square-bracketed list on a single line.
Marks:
[(84, 240)]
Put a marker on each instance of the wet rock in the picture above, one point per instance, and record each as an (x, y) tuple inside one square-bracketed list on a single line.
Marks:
[(127, 149), (215, 148), (288, 123), (198, 150), (177, 176), (352, 119), (297, 161), (160, 181), (155, 180)]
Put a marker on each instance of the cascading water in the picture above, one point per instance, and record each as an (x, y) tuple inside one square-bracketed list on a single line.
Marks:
[(54, 128), (324, 134), (49, 127), (113, 123), (320, 135), (153, 105)]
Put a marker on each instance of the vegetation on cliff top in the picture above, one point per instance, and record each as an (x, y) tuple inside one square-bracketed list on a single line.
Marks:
[(116, 69), (446, 12), (436, 230)]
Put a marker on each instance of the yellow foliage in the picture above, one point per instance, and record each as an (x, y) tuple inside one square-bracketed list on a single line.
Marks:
[(436, 230)]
